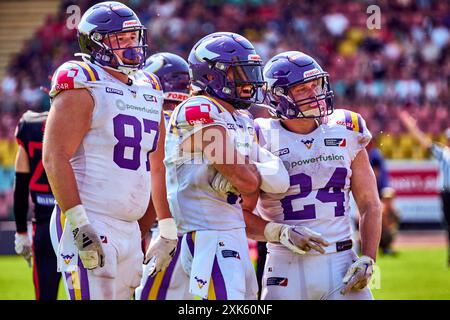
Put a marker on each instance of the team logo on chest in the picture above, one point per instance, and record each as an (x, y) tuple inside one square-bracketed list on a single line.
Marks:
[(133, 92), (308, 143)]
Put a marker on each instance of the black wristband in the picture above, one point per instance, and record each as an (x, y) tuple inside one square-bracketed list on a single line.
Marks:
[(21, 190)]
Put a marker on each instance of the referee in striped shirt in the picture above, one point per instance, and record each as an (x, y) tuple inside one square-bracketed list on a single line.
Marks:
[(442, 155)]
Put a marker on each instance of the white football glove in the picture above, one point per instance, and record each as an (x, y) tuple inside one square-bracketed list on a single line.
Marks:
[(86, 238), (298, 239), (22, 245), (222, 185), (358, 274), (162, 250)]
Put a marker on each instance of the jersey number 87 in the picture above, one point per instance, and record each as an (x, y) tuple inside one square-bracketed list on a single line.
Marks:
[(151, 127)]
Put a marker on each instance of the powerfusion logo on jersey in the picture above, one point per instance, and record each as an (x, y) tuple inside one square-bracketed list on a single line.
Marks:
[(121, 105), (321, 158)]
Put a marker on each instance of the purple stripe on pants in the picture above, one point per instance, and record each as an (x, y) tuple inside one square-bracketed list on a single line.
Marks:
[(146, 289), (219, 282), (162, 292), (190, 242), (59, 230), (69, 285), (84, 281)]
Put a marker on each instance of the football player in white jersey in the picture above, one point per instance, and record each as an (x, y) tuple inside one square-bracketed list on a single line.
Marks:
[(324, 152), (171, 284), (100, 142), (211, 161)]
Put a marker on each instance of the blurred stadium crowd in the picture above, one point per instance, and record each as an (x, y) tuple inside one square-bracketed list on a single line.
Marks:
[(404, 64)]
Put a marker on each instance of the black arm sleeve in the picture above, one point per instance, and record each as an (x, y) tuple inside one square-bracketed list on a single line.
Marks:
[(21, 189)]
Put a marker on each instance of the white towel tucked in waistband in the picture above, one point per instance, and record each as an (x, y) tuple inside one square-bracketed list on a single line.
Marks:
[(202, 264), (67, 255)]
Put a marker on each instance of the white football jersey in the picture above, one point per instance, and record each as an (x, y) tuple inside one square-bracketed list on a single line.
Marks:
[(111, 164), (193, 202), (319, 166)]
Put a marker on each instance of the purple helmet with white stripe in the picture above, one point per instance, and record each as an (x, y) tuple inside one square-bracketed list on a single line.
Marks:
[(173, 72), (101, 26), (297, 86), (225, 65)]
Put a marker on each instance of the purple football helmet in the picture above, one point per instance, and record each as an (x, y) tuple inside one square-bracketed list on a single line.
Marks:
[(222, 62), (173, 72), (285, 72), (104, 22)]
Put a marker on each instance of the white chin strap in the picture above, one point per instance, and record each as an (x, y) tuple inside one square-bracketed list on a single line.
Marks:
[(129, 71)]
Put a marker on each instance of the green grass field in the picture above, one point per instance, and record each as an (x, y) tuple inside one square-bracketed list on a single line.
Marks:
[(416, 273)]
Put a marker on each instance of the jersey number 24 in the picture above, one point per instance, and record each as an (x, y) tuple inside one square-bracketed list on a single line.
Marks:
[(331, 192)]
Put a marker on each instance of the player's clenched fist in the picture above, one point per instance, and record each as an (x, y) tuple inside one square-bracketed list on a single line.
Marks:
[(86, 238), (298, 239), (358, 274), (162, 250)]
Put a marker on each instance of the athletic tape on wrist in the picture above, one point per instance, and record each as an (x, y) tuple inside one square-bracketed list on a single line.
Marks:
[(272, 231), (167, 228), (77, 216)]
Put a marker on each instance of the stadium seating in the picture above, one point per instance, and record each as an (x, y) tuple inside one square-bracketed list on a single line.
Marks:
[(18, 22)]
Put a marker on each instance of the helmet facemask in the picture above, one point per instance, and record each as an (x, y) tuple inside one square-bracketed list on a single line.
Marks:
[(110, 54), (241, 83), (310, 98)]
